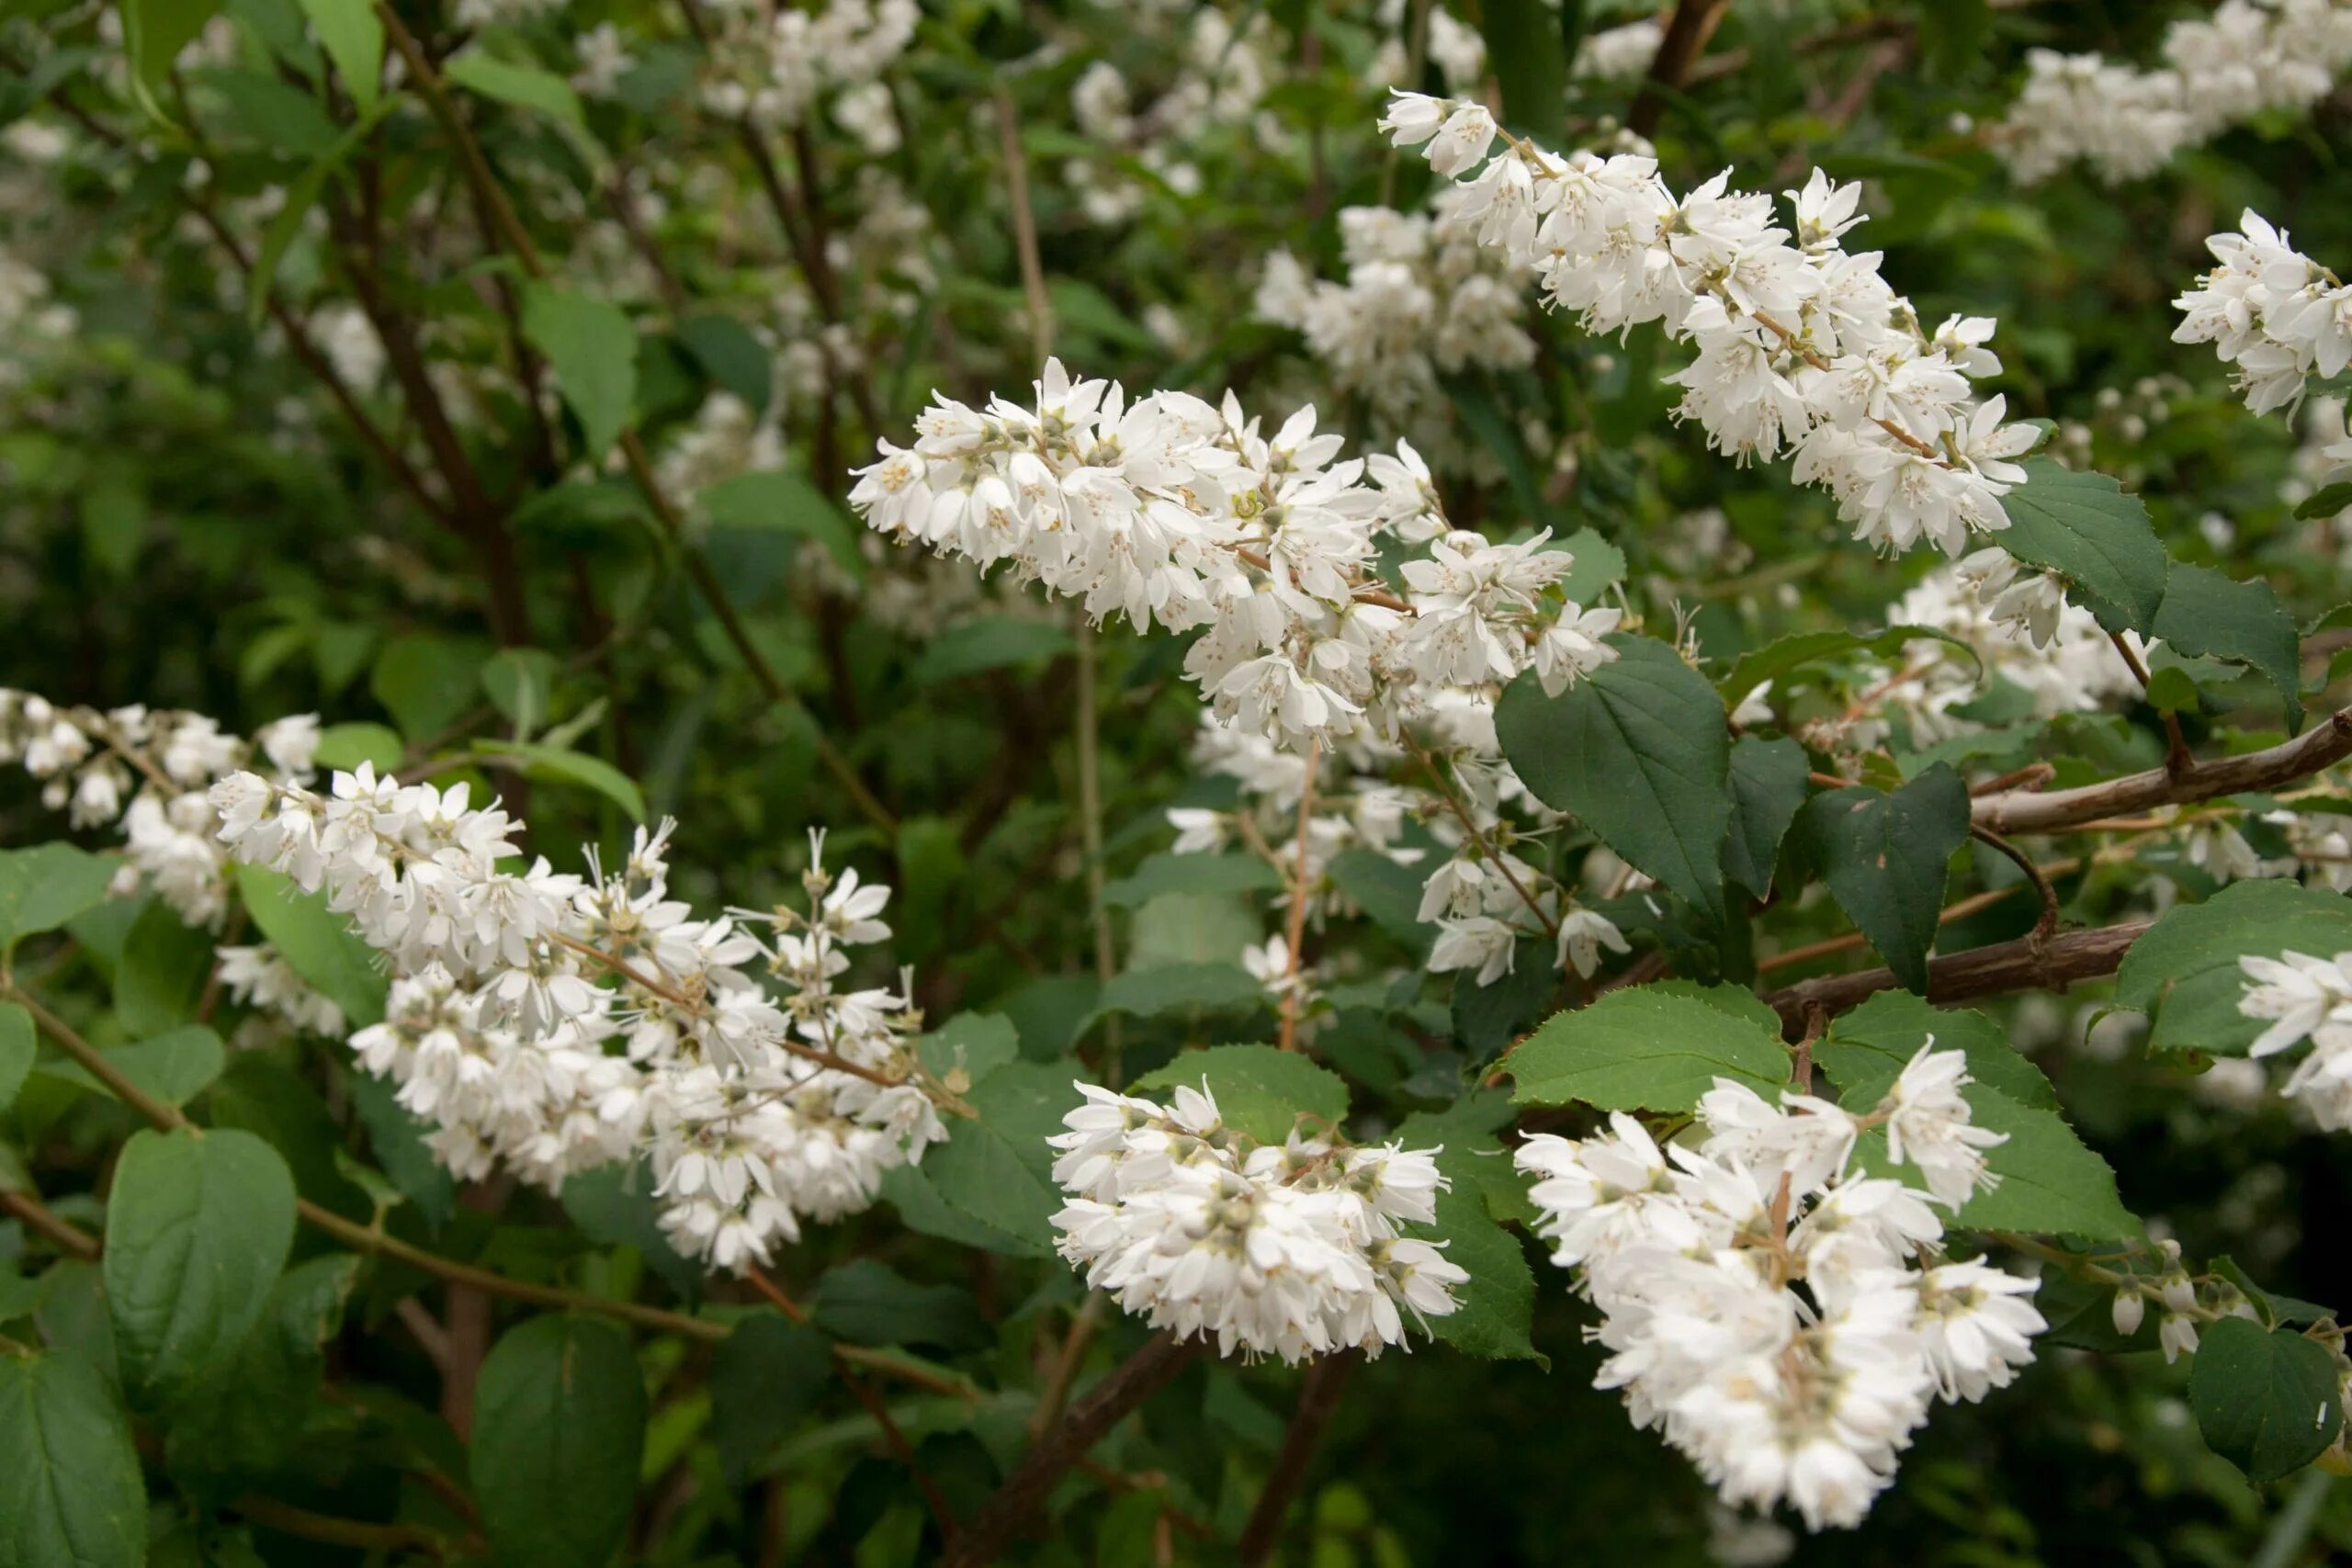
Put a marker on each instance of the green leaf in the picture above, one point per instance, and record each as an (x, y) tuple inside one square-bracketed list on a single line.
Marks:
[(1768, 786), (425, 682), (781, 502), (991, 642), (973, 1044), (733, 359), (2207, 614), (1473, 1157), (524, 86), (243, 1422), (1388, 892), (520, 684), (353, 40), (614, 1206), (1180, 987), (343, 747), (397, 1137), (2184, 972), (998, 1169), (1598, 565), (1884, 857), (46, 885), (557, 764), (1261, 1090), (2084, 529), (153, 33), (175, 1067), (2326, 500), (592, 350), (197, 1228), (764, 1377), (870, 1304), (1646, 1048), (160, 977), (558, 1427), (18, 1049), (1638, 751), (70, 1489), (1868, 1047), (1168, 872), (1777, 659), (1495, 1308), (287, 223), (316, 942), (1524, 50), (1488, 1018), (2265, 1398)]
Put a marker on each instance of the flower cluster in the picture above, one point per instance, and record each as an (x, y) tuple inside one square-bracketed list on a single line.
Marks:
[(1803, 348), (2275, 314), (2250, 58), (146, 771), (770, 67), (1289, 1250), (1224, 70), (1784, 1321), (761, 1107), (1182, 513), (1422, 299), (2303, 998), (2009, 626)]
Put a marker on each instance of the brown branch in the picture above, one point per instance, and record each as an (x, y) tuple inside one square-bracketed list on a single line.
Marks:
[(1693, 24), (1297, 930), (359, 1534), (2046, 923), (61, 1233), (1107, 1403), (2027, 964), (1318, 1397), (2029, 811)]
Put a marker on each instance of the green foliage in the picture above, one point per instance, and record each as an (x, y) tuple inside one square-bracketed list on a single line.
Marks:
[(2183, 974), (1649, 1047), (1886, 855), (558, 1427), (198, 1227), (2265, 1398), (1263, 1091), (70, 1489), (1637, 752)]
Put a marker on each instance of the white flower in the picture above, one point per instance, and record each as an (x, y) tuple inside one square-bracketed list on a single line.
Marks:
[(1583, 933), (1287, 1250), (1479, 942)]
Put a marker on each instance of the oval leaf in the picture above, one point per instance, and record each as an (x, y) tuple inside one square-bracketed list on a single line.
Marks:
[(559, 1429)]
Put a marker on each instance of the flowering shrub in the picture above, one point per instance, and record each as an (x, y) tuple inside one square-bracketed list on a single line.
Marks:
[(898, 780)]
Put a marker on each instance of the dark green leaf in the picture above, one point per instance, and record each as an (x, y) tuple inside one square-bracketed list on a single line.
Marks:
[(1768, 786), (70, 1488), (1884, 857), (1637, 752), (614, 1206), (558, 1427), (2265, 1398), (870, 1304), (1776, 660), (524, 86), (198, 1227), (998, 1169), (2207, 614), (161, 975), (353, 40), (2084, 529), (731, 357), (558, 765), (1524, 50), (763, 1378)]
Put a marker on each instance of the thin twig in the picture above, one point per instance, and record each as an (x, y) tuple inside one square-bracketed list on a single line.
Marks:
[(1318, 1397), (2046, 923), (61, 1233), (1300, 896), (2027, 964), (1686, 36)]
